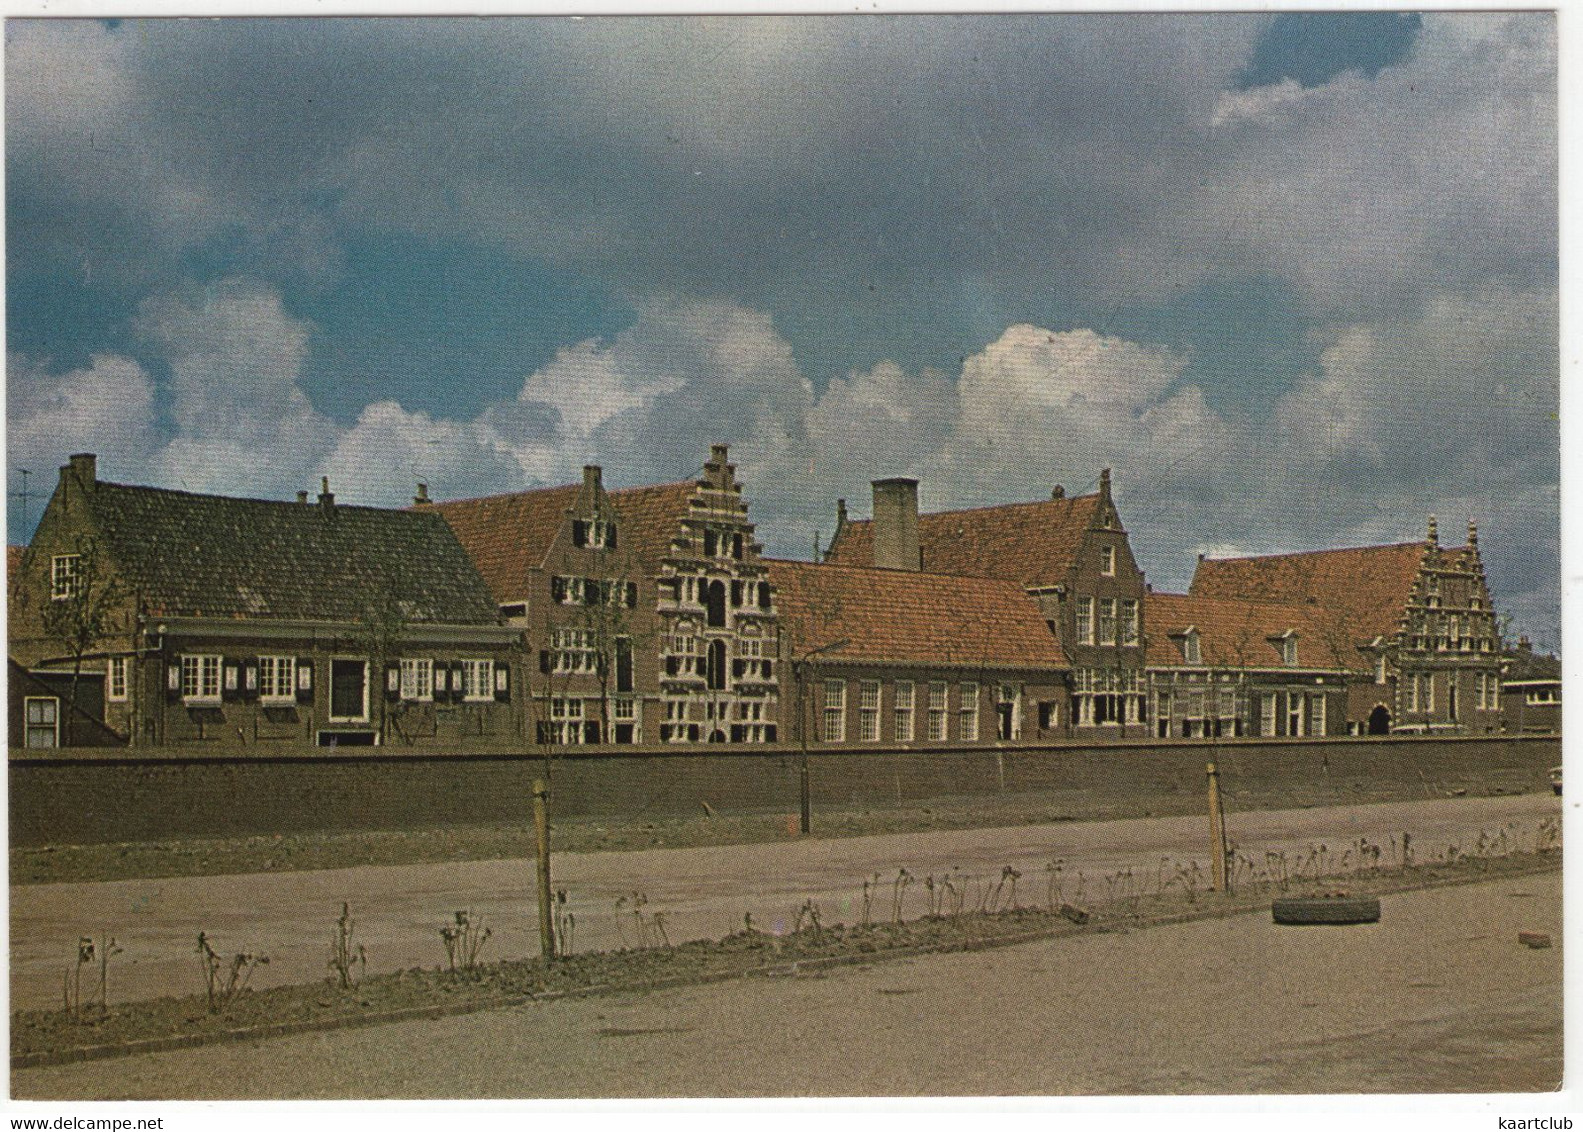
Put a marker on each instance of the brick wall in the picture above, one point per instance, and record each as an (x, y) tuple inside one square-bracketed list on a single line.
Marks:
[(85, 796)]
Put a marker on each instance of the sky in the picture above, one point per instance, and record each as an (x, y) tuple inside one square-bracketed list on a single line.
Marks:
[(1294, 278)]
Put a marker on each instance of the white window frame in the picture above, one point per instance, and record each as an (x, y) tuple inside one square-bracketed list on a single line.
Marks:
[(1085, 620), (30, 726), (868, 711), (573, 650), (65, 573), (1296, 714), (1267, 714), (939, 716), (903, 711), (833, 717), (1318, 721), (967, 712), (200, 672), (1429, 691), (478, 680), (417, 678), (1192, 649), (1107, 561), (115, 679), (1129, 621), (277, 679), (1107, 620)]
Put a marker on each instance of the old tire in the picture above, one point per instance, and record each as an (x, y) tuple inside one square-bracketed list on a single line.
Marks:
[(1326, 910)]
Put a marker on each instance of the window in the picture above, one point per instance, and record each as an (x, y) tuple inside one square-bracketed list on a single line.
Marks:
[(1129, 621), (1267, 714), (200, 678), (566, 720), (478, 680), (715, 604), (1379, 669), (1540, 697), (903, 711), (43, 722), (574, 650), (1412, 692), (937, 717), (1192, 653), (1008, 713), (417, 679), (1107, 561), (715, 671), (1085, 620), (277, 678), (1107, 620), (65, 573), (1429, 691), (1316, 715), (596, 534), (834, 711), (1294, 713), (967, 714), (115, 679), (868, 711)]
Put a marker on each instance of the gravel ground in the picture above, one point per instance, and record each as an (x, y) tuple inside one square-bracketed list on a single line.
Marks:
[(1438, 996)]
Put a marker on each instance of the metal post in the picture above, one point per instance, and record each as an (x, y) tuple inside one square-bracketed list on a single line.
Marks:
[(541, 830), (1217, 832)]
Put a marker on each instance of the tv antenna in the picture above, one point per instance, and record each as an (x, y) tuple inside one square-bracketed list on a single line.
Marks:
[(22, 494)]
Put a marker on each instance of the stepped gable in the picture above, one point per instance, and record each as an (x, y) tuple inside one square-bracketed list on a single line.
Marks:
[(1365, 589), (912, 618), (217, 556), (1234, 633), (509, 536), (1031, 544)]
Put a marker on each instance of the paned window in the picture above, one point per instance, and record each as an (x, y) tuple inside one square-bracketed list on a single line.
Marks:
[(478, 679), (1107, 561), (43, 722), (1294, 713), (967, 714), (938, 722), (1085, 620), (277, 677), (115, 679), (575, 650), (65, 573), (868, 711), (417, 679), (903, 711), (834, 711), (200, 678), (1191, 652), (1316, 715), (1129, 621), (1107, 620), (1267, 714)]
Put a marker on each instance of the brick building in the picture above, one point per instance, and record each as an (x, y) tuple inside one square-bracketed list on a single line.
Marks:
[(905, 658), (1530, 690), (649, 608), (1069, 553), (1227, 667), (211, 619), (1418, 615)]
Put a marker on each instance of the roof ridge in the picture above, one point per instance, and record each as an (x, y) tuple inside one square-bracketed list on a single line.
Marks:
[(889, 571), (526, 491), (1326, 550), (291, 503), (993, 507)]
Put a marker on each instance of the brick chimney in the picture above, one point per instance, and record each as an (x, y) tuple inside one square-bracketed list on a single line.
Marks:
[(326, 500), (84, 468), (896, 525), (593, 477), (422, 498)]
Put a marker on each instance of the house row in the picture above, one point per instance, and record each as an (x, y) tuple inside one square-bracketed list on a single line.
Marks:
[(650, 615)]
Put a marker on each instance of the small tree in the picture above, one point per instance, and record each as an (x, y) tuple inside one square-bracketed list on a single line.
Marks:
[(80, 614), (380, 633)]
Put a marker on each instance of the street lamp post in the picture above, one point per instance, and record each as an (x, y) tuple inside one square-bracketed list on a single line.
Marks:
[(799, 670)]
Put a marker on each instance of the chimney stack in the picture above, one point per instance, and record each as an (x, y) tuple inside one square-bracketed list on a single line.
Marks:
[(84, 466), (302, 497), (1058, 492), (896, 525), (422, 498), (326, 500), (593, 476)]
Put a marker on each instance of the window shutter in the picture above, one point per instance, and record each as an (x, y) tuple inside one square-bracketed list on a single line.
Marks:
[(579, 533), (591, 591), (610, 535), (456, 680), (173, 682), (546, 660), (632, 595), (250, 679), (230, 679), (736, 594), (304, 680), (502, 683), (393, 680), (557, 589)]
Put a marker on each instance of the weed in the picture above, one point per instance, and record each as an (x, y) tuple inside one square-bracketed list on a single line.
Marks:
[(898, 893), (343, 956), (992, 898), (222, 989), (1053, 884), (464, 938), (869, 887), (565, 924), (809, 912)]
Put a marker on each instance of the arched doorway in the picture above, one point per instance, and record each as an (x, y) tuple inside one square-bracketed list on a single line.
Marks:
[(1380, 721)]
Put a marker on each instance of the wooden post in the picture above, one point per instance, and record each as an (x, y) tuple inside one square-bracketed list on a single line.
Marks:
[(541, 830), (1217, 833)]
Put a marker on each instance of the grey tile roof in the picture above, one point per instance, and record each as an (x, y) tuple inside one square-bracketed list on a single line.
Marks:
[(215, 556)]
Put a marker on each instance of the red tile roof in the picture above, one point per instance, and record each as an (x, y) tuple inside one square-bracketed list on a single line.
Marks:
[(1233, 633), (906, 617), (1365, 588), (508, 536), (1032, 544)]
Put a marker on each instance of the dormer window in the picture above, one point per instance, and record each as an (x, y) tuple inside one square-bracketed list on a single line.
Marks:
[(1286, 645), (65, 576), (1107, 561), (1192, 650)]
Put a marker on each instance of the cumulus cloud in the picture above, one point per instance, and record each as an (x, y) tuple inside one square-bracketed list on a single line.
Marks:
[(106, 407)]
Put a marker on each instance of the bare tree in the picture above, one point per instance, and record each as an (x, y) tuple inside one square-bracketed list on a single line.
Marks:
[(81, 613), (379, 635)]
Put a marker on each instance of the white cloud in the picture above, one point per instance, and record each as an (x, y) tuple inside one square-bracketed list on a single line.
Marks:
[(1259, 103), (106, 408)]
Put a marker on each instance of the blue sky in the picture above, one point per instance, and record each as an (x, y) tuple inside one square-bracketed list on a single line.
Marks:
[(1294, 277)]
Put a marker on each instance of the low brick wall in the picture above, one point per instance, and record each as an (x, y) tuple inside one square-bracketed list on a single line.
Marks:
[(85, 796)]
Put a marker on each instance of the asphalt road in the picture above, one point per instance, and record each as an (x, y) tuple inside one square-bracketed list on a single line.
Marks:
[(1437, 997), (702, 892)]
